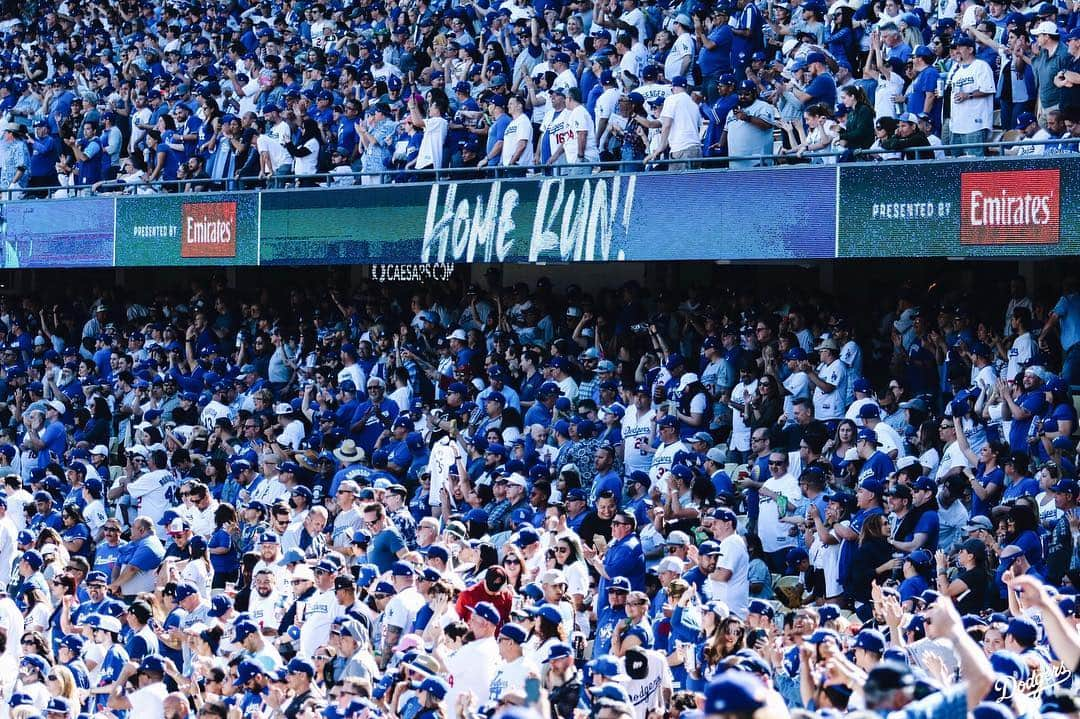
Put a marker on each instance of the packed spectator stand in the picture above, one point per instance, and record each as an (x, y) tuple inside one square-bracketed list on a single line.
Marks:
[(190, 96), (519, 501)]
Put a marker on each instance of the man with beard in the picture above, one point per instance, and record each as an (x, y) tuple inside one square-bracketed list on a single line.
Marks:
[(749, 129)]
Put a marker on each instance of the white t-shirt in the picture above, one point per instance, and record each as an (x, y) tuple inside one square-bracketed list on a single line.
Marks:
[(797, 385), (402, 609), (683, 47), (308, 164), (890, 439), (519, 129), (974, 113), (472, 668), (8, 547), (685, 118), (279, 156), (565, 79), (430, 154), (511, 676), (606, 105), (735, 592), (883, 95), (266, 611), (1019, 354), (636, 18), (951, 457), (149, 701), (773, 533), (320, 611), (830, 405), (636, 430), (581, 123)]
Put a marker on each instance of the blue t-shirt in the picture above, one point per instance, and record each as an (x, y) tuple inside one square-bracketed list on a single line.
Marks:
[(79, 531), (1021, 488), (718, 59), (144, 554), (822, 89), (608, 481), (1068, 311), (996, 477), (1035, 404), (55, 440), (925, 83), (496, 132), (111, 666), (912, 587), (223, 563), (383, 549), (930, 525), (879, 466), (105, 558)]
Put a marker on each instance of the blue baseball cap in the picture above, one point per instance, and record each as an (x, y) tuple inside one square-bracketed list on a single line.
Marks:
[(487, 612), (609, 666), (735, 692), (871, 640)]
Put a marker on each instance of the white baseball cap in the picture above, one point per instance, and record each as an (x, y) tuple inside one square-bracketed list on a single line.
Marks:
[(1046, 28)]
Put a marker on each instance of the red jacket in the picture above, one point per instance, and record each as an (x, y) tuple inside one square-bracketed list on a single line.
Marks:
[(477, 593)]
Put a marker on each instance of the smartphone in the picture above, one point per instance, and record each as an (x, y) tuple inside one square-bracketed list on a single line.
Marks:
[(532, 691), (599, 542)]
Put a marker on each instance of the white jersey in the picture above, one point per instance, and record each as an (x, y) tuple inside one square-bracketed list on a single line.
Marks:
[(973, 114), (443, 457), (661, 464), (212, 413), (647, 694), (8, 546), (637, 436), (797, 386), (606, 106), (830, 405), (153, 492), (355, 373), (582, 125), (1023, 347), (740, 431)]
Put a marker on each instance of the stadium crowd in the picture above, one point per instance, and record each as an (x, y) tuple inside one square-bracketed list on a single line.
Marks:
[(463, 501), (230, 94)]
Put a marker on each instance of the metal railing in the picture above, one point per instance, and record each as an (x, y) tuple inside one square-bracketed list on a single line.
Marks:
[(333, 180)]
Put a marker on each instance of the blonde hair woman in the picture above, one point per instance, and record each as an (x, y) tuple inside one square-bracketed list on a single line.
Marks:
[(61, 683)]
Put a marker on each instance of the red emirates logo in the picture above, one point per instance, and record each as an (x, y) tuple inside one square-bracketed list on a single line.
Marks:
[(208, 229), (1010, 208)]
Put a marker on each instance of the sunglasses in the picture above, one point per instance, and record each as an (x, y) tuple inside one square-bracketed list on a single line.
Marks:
[(777, 464)]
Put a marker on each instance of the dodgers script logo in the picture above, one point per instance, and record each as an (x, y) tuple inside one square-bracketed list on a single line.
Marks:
[(1006, 208), (208, 229)]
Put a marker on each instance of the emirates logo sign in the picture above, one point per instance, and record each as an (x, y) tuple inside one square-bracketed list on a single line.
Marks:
[(1010, 208)]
